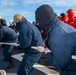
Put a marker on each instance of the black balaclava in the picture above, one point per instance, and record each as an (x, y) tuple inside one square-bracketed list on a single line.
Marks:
[(44, 15), (62, 15)]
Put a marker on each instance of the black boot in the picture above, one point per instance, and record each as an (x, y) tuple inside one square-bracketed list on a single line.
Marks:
[(11, 65)]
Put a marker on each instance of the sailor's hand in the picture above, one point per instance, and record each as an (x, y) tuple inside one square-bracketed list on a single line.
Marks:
[(15, 44), (47, 50), (40, 49), (43, 49)]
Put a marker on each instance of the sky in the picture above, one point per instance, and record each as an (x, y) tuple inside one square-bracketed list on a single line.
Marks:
[(8, 8)]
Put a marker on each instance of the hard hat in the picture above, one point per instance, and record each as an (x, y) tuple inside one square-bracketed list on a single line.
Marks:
[(70, 12), (0, 17)]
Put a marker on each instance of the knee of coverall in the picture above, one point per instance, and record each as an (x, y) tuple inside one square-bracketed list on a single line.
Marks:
[(8, 50), (49, 57), (27, 63)]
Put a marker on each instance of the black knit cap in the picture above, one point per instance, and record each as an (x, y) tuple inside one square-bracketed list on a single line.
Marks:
[(3, 22), (44, 15)]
